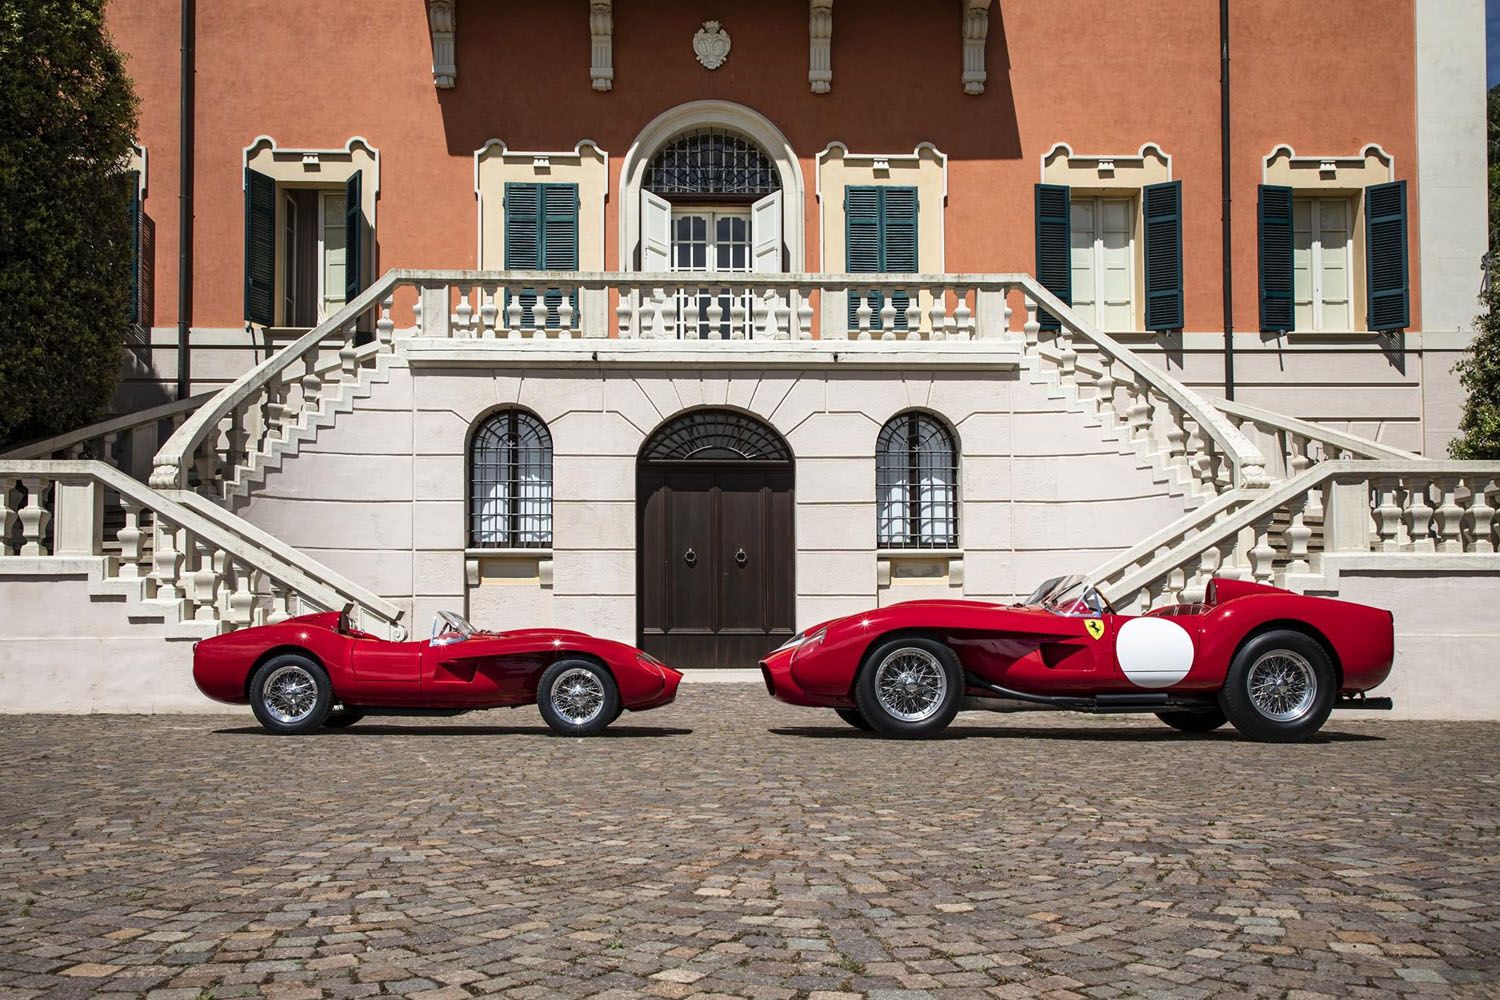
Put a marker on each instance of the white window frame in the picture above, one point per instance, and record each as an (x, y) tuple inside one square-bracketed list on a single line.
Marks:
[(712, 214), (1319, 298), (1131, 210)]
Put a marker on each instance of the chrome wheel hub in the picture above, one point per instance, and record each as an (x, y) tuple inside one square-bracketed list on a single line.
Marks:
[(1282, 685), (578, 696), (290, 694), (910, 684)]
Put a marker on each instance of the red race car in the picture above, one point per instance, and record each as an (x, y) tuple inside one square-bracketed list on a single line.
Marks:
[(1272, 662), (315, 670)]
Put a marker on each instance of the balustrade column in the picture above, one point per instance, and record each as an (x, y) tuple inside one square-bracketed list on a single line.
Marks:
[(1297, 536), (1262, 555), (1449, 518), (783, 311), (565, 314), (804, 313), (464, 313), (1418, 516), (736, 313), (888, 317), (34, 517), (963, 316), (623, 313), (281, 599), (7, 515), (1388, 515), (166, 560), (1139, 413), (1208, 565), (312, 384), (861, 314), (1176, 434), (1067, 357), (129, 537), (1481, 516), (1031, 332), (205, 580), (1104, 389), (385, 327), (937, 315), (488, 312), (914, 315), (241, 604)]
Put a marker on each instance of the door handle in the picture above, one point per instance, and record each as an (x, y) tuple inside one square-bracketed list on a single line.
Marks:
[(690, 557), (740, 558)]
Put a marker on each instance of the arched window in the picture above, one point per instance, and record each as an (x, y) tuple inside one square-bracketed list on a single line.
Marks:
[(916, 484), (510, 483), (714, 163)]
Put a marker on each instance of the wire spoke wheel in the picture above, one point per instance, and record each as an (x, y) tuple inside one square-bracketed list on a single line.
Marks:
[(290, 694), (1282, 685), (578, 696), (910, 684)]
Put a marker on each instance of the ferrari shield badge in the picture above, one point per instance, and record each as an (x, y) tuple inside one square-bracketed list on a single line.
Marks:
[(1095, 627)]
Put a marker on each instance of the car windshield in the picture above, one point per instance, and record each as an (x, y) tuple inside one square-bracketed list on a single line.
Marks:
[(450, 627), (1066, 595)]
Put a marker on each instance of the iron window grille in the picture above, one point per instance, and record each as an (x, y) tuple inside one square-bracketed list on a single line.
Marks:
[(711, 163), (916, 484), (510, 483), (715, 436)]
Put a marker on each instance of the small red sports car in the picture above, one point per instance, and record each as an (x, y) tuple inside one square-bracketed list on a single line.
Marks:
[(315, 670), (1272, 662)]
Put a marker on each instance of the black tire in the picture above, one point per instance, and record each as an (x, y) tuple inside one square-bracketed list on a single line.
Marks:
[(1194, 722), (553, 699), (1286, 653), (288, 672), (926, 653), (342, 718), (852, 716)]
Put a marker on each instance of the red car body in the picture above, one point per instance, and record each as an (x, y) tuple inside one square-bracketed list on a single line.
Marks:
[(488, 670), (1073, 661)]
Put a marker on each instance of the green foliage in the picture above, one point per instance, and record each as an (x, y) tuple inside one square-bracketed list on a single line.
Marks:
[(67, 121), (1479, 369)]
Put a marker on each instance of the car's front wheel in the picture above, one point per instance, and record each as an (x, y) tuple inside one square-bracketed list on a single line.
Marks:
[(1280, 687), (578, 698), (1205, 721), (290, 693), (909, 688)]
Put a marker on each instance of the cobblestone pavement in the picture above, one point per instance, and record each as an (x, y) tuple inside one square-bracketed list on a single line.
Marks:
[(732, 846)]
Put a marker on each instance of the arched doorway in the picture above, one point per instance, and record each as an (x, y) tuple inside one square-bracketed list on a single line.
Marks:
[(715, 537)]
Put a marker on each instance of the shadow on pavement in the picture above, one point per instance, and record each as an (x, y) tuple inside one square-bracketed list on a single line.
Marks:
[(376, 729), (1081, 735)]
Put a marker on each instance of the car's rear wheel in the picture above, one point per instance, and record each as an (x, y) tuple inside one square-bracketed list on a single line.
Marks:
[(578, 698), (909, 688), (1280, 687), (1205, 721), (290, 693), (852, 716), (342, 718)]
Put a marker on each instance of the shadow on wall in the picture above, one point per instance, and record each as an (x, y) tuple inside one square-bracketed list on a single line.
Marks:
[(539, 97)]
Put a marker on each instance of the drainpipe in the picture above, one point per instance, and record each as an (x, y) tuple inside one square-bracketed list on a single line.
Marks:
[(1224, 186), (185, 205)]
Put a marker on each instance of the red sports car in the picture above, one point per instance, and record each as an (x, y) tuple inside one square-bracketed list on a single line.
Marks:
[(315, 670), (1272, 662)]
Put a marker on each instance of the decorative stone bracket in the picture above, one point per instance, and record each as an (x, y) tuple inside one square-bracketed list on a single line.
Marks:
[(932, 567), (820, 45), (514, 566), (976, 29), (602, 44), (442, 20)]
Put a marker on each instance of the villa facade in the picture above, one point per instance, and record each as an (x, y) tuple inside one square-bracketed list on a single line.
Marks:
[(693, 325)]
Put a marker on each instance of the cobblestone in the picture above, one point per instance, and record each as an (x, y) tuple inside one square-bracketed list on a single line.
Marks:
[(731, 846)]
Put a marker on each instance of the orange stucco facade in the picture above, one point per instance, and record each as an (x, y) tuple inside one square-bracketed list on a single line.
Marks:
[(1103, 78)]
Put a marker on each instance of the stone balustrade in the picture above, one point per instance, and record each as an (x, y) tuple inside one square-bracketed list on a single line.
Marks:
[(128, 441), (267, 405), (1389, 508), (210, 578)]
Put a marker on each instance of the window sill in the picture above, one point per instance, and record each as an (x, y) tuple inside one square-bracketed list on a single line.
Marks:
[(919, 567), (490, 567)]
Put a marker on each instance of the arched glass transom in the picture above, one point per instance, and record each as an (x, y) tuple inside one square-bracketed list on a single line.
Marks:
[(510, 483), (711, 163), (916, 484), (715, 436)]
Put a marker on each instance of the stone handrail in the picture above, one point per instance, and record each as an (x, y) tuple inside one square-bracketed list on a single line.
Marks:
[(1166, 538), (214, 576), (127, 441), (1393, 507), (1295, 438)]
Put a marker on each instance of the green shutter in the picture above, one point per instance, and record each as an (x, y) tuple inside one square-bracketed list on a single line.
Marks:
[(880, 237), (1389, 305), (354, 239), (1162, 204), (1278, 308), (133, 181), (541, 234), (1054, 246), (260, 248)]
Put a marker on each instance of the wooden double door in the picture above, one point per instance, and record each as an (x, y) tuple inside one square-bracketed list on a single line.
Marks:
[(715, 585)]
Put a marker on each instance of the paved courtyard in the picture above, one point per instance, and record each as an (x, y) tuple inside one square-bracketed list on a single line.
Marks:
[(732, 846)]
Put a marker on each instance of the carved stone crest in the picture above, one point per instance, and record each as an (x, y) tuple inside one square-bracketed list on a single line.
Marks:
[(711, 45)]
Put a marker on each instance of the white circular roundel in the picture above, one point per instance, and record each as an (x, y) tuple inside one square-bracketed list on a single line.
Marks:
[(1154, 652)]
